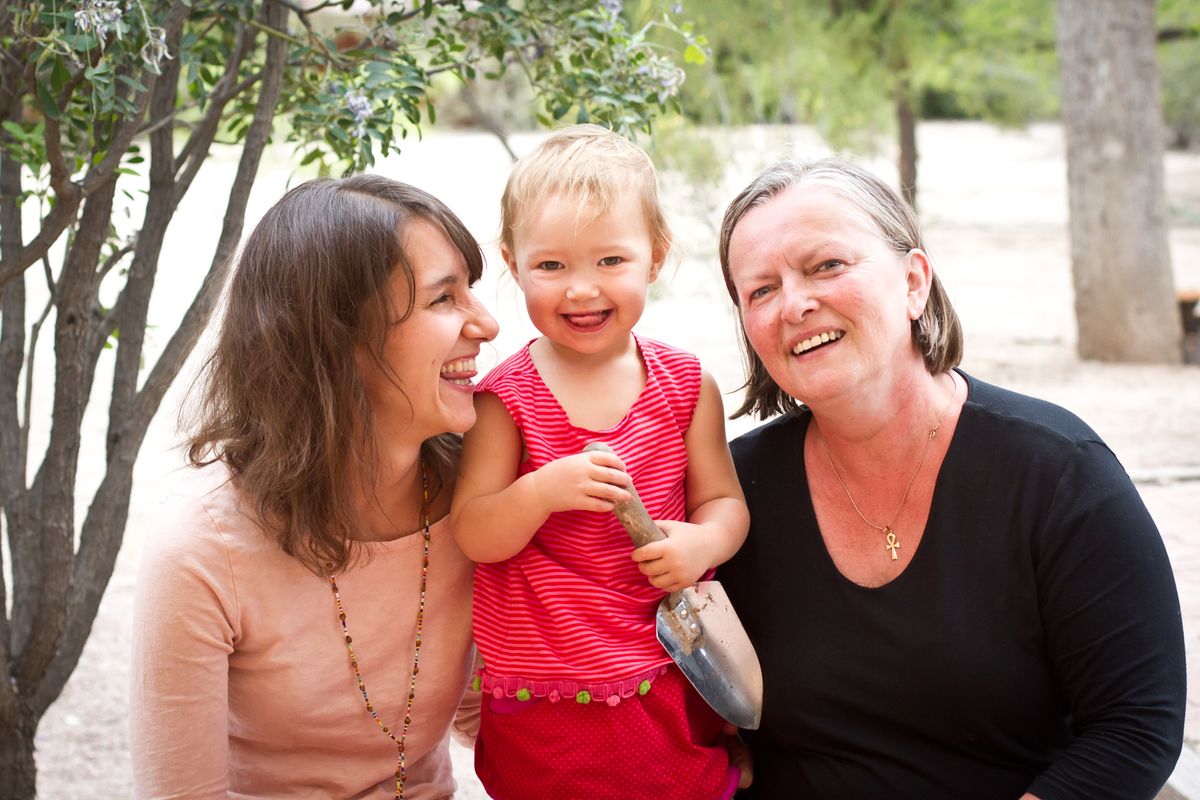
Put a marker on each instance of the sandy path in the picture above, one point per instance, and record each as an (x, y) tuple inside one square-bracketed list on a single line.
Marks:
[(995, 209)]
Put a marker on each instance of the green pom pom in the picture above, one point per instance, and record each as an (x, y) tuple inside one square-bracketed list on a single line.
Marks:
[(643, 687), (583, 698), (476, 684), (523, 695)]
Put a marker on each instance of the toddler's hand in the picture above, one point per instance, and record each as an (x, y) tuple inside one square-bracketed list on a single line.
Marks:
[(679, 560), (739, 754), (592, 481)]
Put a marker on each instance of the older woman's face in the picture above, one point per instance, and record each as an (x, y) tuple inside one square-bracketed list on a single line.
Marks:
[(824, 301), (430, 354)]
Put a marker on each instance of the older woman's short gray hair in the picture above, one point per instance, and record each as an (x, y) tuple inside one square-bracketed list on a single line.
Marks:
[(937, 332)]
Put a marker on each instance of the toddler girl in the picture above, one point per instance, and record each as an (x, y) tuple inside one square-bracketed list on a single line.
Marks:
[(580, 700)]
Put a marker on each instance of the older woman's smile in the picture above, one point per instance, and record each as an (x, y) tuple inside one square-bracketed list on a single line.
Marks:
[(815, 341)]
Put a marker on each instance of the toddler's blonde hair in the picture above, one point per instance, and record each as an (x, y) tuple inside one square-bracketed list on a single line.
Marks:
[(591, 165)]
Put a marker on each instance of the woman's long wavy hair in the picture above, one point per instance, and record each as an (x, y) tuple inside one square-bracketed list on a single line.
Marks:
[(281, 401), (937, 333)]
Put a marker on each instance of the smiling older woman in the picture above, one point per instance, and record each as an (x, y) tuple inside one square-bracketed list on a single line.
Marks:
[(309, 559), (955, 591)]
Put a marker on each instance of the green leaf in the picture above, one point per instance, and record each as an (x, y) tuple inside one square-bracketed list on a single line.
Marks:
[(132, 83), (694, 55), (47, 101)]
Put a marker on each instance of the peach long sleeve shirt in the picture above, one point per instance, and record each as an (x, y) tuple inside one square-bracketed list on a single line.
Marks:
[(242, 686)]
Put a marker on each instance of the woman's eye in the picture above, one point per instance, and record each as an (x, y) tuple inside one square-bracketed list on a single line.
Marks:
[(610, 261), (549, 266), (442, 298), (830, 265), (759, 292)]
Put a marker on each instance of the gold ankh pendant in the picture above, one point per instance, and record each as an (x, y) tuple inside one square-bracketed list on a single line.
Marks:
[(892, 541)]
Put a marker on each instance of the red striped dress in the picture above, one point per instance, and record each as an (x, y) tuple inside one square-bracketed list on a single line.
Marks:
[(571, 613)]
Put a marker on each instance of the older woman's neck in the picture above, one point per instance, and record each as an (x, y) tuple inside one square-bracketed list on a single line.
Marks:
[(889, 419)]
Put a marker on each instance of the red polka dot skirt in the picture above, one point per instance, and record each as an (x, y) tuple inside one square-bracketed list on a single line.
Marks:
[(657, 746)]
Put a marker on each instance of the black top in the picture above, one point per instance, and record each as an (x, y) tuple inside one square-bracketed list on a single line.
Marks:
[(1033, 643)]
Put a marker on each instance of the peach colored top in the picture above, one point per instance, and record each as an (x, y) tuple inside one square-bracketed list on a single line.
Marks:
[(242, 686)]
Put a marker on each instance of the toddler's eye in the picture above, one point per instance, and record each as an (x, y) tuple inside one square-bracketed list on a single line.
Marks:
[(549, 266), (610, 261)]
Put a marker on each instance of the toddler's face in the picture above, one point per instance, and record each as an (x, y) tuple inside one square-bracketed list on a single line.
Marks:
[(585, 275)]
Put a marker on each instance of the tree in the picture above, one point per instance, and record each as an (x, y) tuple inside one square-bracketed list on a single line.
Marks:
[(1120, 258), (105, 100), (857, 68)]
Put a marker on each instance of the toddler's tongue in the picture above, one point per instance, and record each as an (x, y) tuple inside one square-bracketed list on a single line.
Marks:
[(589, 320)]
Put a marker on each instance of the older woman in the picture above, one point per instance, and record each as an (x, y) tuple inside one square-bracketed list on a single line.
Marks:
[(303, 616), (955, 590)]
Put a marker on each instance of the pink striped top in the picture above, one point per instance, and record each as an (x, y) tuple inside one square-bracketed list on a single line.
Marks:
[(571, 611)]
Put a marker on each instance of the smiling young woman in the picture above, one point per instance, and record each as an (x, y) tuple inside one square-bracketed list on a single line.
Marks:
[(308, 560)]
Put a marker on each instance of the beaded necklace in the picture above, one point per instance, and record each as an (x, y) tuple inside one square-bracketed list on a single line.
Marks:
[(401, 763)]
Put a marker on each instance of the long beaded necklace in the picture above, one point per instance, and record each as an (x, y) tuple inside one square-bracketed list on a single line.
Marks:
[(891, 542), (401, 763)]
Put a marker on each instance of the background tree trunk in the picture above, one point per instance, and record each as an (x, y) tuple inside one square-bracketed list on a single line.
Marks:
[(1120, 259), (906, 127)]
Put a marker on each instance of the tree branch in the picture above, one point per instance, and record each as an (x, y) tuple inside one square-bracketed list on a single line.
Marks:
[(52, 495), (195, 149), (12, 350), (102, 530), (52, 227)]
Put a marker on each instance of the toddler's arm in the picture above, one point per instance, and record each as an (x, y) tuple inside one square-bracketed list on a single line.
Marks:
[(717, 519), (495, 513)]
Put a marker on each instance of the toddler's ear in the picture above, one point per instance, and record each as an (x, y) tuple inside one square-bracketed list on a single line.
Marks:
[(511, 262), (658, 257)]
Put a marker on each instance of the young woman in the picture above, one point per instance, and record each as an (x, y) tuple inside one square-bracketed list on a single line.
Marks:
[(303, 615)]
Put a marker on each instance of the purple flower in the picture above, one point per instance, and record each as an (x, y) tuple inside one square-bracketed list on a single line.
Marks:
[(360, 107), (99, 16)]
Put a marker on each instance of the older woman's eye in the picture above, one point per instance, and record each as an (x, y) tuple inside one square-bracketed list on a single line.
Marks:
[(830, 265), (759, 293)]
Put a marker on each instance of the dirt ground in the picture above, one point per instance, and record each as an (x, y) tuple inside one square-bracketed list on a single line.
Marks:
[(994, 206)]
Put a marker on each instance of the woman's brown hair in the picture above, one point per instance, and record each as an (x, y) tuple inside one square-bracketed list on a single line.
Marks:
[(937, 333), (282, 403)]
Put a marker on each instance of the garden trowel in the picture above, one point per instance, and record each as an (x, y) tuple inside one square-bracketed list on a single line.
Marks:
[(701, 632)]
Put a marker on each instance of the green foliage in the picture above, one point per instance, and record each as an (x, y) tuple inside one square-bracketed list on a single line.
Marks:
[(1179, 68), (354, 87), (839, 64)]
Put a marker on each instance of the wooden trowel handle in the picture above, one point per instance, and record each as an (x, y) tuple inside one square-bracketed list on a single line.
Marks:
[(632, 513)]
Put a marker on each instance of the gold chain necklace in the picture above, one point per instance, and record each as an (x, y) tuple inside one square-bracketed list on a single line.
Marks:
[(401, 763), (890, 542)]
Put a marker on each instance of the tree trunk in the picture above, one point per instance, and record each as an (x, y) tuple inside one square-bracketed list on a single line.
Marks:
[(1120, 258), (906, 124), (18, 773)]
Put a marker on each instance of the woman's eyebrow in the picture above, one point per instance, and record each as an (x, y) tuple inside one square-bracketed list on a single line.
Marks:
[(449, 279)]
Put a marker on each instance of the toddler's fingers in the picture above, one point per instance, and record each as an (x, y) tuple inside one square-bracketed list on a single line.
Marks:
[(608, 460), (648, 552)]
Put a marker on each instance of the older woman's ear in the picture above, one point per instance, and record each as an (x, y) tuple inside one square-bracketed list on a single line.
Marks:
[(919, 277)]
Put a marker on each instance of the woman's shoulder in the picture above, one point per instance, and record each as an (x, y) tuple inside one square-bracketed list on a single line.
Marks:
[(202, 516), (784, 432), (1010, 413)]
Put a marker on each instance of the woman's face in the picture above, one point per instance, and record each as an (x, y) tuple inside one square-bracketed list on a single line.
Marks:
[(824, 300), (430, 354)]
